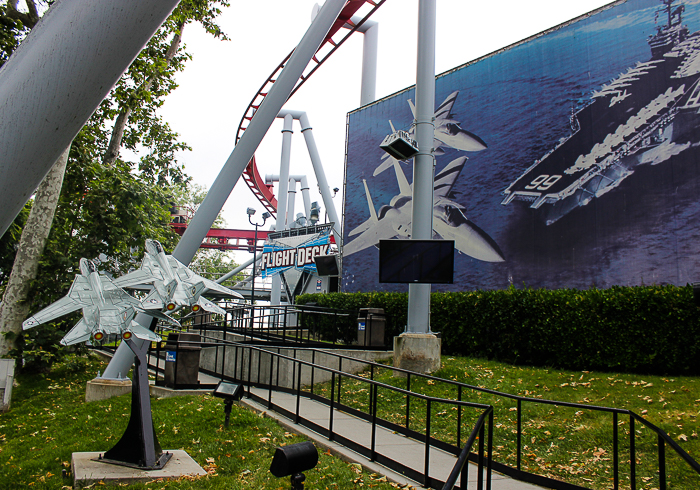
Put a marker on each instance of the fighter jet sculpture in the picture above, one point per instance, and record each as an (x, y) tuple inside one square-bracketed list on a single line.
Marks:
[(175, 284), (107, 309)]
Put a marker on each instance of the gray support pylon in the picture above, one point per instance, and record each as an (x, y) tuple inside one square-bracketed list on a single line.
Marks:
[(303, 182), (284, 173), (276, 291), (232, 170), (423, 162), (56, 78), (291, 198), (238, 269), (370, 44), (320, 174), (318, 168)]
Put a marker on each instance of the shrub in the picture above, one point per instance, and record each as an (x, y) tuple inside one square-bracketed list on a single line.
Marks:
[(644, 329)]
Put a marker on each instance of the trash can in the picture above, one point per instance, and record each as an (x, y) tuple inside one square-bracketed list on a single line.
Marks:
[(182, 360), (371, 323)]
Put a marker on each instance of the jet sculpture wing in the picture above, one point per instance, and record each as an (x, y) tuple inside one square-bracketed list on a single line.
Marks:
[(79, 295), (115, 294), (143, 333), (214, 286), (209, 306), (140, 276), (79, 333), (61, 307)]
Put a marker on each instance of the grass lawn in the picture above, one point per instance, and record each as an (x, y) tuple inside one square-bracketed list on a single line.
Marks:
[(49, 420), (569, 444)]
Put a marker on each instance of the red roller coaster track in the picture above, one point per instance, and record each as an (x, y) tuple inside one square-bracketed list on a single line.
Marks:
[(251, 176)]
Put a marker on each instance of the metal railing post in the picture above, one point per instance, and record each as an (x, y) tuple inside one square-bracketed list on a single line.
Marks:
[(313, 365), (330, 419), (662, 463), (616, 457), (340, 370), (408, 399), (519, 435), (459, 416), (480, 474), (489, 448), (296, 419), (373, 408), (633, 456), (426, 475)]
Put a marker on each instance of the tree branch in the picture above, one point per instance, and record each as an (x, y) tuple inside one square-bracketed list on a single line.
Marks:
[(28, 19), (115, 141)]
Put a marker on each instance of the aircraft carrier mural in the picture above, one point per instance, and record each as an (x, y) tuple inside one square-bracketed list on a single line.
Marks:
[(568, 160)]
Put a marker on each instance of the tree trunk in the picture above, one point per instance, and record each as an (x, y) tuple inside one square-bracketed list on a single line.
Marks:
[(115, 141), (15, 307)]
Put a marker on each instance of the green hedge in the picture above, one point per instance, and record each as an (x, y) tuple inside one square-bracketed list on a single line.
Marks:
[(624, 329)]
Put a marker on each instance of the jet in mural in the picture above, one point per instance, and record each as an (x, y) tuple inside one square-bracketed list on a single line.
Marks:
[(107, 309), (447, 133), (175, 284), (449, 221)]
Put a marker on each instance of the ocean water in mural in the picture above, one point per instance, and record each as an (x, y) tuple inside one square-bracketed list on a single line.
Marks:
[(588, 174)]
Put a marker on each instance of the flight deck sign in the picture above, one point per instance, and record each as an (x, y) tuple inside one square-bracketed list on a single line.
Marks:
[(294, 252)]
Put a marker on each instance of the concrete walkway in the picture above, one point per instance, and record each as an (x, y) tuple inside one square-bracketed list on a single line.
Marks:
[(407, 451)]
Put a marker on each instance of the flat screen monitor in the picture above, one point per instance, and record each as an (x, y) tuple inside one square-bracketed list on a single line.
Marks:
[(416, 261), (326, 265)]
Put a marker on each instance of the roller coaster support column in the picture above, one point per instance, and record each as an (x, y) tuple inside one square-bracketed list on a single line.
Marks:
[(276, 292), (238, 269), (318, 168), (232, 170), (370, 43), (418, 348), (53, 82), (291, 198), (303, 182)]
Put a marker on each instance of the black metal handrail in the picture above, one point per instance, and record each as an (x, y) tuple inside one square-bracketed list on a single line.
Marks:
[(255, 323), (663, 438), (240, 371), (461, 467), (517, 471)]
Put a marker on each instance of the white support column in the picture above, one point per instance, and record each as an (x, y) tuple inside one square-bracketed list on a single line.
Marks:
[(304, 183), (291, 197), (320, 174), (423, 167), (276, 291), (232, 170), (370, 44), (418, 348), (56, 78)]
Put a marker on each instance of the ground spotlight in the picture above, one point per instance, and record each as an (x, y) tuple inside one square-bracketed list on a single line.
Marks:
[(229, 392), (292, 460)]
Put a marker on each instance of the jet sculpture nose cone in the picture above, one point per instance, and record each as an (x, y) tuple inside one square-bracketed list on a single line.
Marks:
[(87, 267)]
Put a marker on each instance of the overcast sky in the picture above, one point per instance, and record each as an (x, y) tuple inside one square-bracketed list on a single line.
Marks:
[(223, 77)]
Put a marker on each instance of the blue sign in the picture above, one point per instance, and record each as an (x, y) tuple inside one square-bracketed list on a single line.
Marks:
[(170, 356)]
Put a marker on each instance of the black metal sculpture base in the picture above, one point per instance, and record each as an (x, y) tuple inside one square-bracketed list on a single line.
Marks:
[(138, 447)]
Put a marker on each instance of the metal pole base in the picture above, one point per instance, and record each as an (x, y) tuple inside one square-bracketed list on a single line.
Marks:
[(138, 447)]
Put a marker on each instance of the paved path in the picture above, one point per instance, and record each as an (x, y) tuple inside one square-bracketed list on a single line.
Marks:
[(395, 446)]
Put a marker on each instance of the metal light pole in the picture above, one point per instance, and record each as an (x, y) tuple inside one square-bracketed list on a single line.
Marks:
[(265, 215)]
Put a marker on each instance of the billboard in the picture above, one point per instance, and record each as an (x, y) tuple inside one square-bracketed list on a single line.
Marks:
[(570, 159)]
